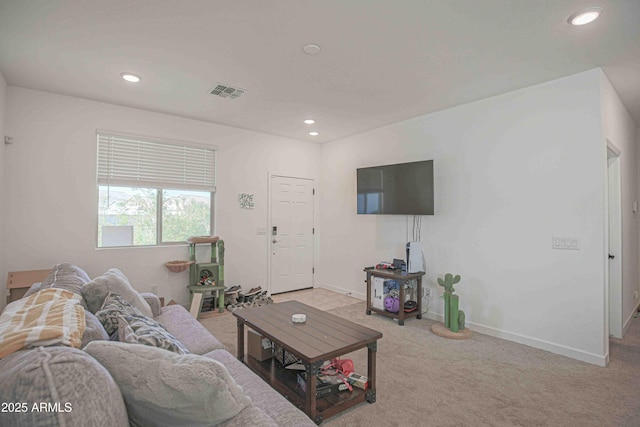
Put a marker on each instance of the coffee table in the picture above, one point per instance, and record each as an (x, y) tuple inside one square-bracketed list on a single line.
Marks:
[(322, 337)]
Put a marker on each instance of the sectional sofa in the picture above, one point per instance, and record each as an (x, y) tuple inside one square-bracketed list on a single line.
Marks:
[(118, 371)]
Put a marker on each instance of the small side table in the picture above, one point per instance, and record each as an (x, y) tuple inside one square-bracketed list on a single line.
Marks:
[(401, 277), (197, 295)]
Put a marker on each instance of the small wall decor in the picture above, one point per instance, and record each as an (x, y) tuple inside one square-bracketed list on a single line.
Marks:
[(246, 200)]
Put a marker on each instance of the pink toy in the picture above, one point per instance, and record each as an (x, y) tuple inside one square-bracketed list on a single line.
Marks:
[(392, 304)]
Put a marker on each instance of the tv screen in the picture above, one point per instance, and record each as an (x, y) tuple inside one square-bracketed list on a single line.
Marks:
[(401, 189)]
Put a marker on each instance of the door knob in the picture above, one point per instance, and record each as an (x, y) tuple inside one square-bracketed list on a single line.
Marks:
[(611, 256)]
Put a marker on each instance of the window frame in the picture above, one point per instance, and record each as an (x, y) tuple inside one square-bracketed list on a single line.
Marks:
[(159, 188)]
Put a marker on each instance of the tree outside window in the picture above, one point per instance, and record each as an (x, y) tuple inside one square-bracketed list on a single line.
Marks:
[(131, 217)]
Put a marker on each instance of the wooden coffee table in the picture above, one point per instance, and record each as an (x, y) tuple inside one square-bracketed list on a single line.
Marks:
[(322, 337)]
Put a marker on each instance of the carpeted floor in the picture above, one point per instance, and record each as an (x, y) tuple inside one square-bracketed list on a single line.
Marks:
[(426, 380)]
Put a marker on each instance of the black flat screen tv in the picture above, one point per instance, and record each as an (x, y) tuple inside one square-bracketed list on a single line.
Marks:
[(400, 189)]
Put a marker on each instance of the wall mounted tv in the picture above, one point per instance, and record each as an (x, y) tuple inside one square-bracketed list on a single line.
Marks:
[(400, 189)]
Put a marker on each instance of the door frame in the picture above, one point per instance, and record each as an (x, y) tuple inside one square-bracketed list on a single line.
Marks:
[(269, 226), (614, 290)]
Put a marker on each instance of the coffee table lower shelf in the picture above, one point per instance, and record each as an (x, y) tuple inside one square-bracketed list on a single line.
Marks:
[(285, 382)]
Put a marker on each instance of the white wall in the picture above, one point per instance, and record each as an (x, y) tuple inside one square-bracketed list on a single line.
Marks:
[(51, 196), (3, 270), (621, 131), (510, 172)]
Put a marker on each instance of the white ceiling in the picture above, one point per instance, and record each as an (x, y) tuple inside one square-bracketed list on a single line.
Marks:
[(381, 61)]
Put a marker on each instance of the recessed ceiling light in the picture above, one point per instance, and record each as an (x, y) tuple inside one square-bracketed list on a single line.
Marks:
[(311, 49), (314, 133), (585, 16), (309, 121), (132, 78)]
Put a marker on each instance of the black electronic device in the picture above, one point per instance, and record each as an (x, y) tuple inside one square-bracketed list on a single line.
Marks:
[(410, 306), (400, 264), (399, 189)]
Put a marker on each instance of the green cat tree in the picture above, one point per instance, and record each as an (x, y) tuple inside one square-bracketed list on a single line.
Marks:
[(454, 318)]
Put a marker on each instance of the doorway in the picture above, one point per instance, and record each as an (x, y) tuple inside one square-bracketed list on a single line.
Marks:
[(614, 262), (291, 234)]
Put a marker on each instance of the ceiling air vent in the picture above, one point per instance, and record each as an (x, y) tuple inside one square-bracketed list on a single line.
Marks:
[(226, 91)]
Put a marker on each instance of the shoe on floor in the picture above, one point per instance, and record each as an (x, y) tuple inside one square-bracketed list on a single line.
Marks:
[(232, 289)]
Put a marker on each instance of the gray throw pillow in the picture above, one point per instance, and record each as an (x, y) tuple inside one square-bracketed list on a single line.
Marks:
[(154, 302), (112, 308), (66, 276), (144, 330), (33, 289), (93, 329), (76, 388), (161, 388), (114, 281)]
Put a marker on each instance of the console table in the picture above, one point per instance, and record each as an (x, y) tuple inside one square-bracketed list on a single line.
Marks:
[(401, 277)]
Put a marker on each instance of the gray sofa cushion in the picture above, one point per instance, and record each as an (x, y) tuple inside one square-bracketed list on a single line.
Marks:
[(262, 395), (154, 302), (66, 276), (181, 324), (84, 391), (250, 416), (93, 330), (161, 388), (115, 281)]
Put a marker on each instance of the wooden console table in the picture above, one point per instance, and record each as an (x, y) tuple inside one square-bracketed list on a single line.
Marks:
[(401, 277)]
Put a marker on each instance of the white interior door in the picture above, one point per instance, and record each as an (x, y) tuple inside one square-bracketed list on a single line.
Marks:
[(615, 244), (292, 233)]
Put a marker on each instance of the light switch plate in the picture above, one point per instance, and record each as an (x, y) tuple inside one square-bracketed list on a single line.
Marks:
[(565, 242)]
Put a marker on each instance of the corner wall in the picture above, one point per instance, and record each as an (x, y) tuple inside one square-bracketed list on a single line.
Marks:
[(3, 114), (51, 196), (510, 172)]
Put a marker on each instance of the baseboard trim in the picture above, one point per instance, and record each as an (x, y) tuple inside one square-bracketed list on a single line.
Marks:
[(562, 350), (359, 295), (627, 323)]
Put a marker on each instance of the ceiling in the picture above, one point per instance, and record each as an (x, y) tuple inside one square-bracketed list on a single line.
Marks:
[(380, 62)]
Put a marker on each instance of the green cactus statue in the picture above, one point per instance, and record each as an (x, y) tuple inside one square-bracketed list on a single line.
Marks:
[(454, 319)]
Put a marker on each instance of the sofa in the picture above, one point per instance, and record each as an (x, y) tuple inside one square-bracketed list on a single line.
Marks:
[(106, 371)]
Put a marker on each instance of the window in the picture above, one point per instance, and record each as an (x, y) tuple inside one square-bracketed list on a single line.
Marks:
[(152, 192)]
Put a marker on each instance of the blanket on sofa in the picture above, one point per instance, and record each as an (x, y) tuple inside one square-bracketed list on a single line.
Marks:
[(48, 317)]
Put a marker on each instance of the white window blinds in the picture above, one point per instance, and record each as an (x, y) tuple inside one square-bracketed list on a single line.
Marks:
[(140, 162)]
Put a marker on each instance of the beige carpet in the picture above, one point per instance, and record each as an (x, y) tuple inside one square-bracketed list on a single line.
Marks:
[(426, 380)]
